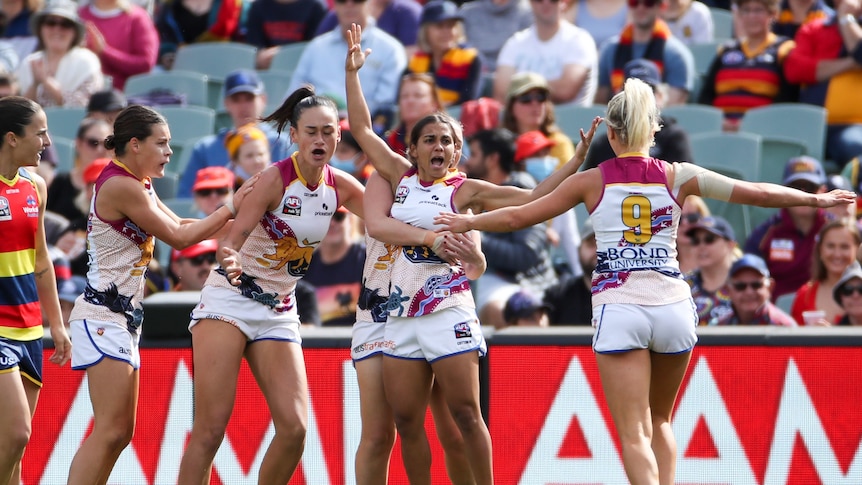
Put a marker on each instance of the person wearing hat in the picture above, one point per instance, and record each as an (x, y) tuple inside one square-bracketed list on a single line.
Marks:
[(715, 249), (848, 294), (248, 150), (191, 266), (835, 248), (749, 286), (457, 68), (124, 37), (213, 188), (786, 240), (563, 54), (106, 105), (524, 309), (749, 72), (245, 101), (671, 141), (60, 72), (533, 153)]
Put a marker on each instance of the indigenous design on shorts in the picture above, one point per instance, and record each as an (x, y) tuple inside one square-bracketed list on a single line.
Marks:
[(374, 293)]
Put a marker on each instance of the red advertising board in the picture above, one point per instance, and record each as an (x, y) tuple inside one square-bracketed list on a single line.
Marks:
[(746, 415)]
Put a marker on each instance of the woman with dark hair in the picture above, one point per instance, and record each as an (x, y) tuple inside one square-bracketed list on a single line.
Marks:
[(125, 215), (60, 72), (433, 296), (643, 312), (27, 280), (64, 191)]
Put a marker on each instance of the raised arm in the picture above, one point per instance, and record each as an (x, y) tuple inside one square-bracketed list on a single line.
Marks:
[(390, 164)]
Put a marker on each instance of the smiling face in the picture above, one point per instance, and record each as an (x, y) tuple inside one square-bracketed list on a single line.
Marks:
[(316, 135), (749, 290), (57, 33), (28, 148), (434, 150), (154, 152), (837, 250)]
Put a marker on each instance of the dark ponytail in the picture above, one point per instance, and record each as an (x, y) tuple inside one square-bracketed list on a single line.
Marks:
[(133, 122), (16, 113), (291, 109)]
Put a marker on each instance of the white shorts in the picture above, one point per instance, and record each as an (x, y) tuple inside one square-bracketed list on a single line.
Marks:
[(255, 321), (94, 340), (444, 333), (490, 287), (368, 340), (664, 329)]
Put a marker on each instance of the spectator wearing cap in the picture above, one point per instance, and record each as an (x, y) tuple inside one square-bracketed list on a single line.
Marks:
[(106, 105), (398, 18), (59, 73), (648, 37), (335, 270), (749, 72), (563, 54), (349, 156), (191, 266), (322, 62), (213, 188), (533, 153), (835, 249), (124, 37), (488, 24), (245, 101), (248, 151), (750, 285), (274, 23), (826, 63), (518, 259), (524, 309), (443, 52), (671, 141), (714, 244), (528, 107), (786, 240), (848, 294), (570, 300)]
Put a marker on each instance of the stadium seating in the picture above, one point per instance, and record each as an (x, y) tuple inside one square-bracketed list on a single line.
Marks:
[(215, 59), (571, 119), (696, 118), (803, 122), (65, 149), (64, 122), (722, 21), (166, 187), (188, 122), (287, 57), (193, 85), (275, 83)]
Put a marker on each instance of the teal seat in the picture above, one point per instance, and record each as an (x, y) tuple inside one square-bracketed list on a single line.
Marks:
[(731, 154), (803, 122), (696, 118), (287, 56), (571, 119), (65, 150), (183, 207), (775, 152), (738, 215), (703, 55), (64, 122), (454, 112), (182, 155), (215, 59), (722, 21), (166, 187), (785, 302), (275, 84), (188, 122), (193, 85)]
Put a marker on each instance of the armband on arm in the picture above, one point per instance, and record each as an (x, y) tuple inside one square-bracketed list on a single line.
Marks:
[(711, 185)]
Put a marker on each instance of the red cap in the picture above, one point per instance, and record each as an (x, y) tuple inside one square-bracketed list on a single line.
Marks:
[(203, 247), (531, 142), (213, 178), (94, 169)]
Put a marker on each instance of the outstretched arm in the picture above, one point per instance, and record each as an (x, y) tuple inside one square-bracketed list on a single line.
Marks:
[(390, 164)]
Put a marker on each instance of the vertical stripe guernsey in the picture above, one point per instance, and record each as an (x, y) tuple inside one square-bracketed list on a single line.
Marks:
[(20, 313)]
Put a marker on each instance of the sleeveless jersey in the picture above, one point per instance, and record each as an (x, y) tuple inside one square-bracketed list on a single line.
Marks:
[(373, 305), (421, 281), (20, 313), (636, 221), (278, 250), (118, 254)]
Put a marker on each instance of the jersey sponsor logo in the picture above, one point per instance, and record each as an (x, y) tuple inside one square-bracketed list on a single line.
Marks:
[(292, 206), (310, 194), (12, 191), (32, 207), (5, 211), (401, 194)]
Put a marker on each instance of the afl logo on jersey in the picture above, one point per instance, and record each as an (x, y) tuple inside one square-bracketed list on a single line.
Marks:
[(292, 206), (5, 211), (401, 194)]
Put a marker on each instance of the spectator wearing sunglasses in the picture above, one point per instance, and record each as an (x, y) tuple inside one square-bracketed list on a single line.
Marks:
[(213, 188), (693, 209), (786, 240), (191, 266), (848, 294), (835, 250), (66, 187), (648, 37), (714, 244), (563, 54), (749, 286), (59, 73)]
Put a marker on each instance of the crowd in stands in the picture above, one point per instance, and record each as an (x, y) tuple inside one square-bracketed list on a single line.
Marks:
[(515, 72)]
